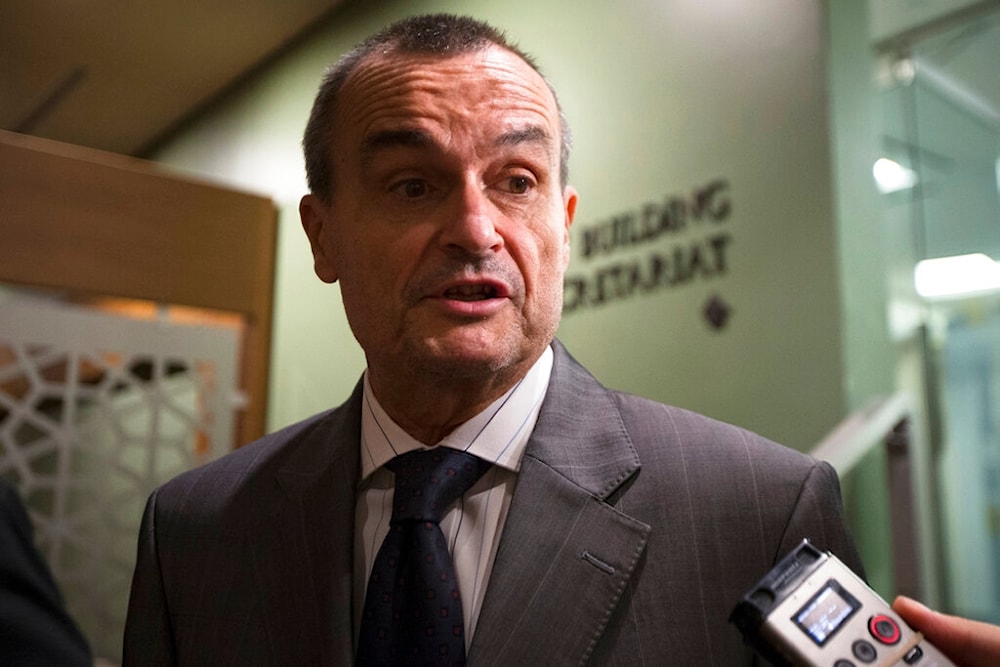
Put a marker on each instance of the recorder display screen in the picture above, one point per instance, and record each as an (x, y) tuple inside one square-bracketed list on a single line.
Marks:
[(826, 612)]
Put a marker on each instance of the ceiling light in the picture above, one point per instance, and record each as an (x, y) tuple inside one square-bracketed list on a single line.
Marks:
[(962, 275), (890, 176)]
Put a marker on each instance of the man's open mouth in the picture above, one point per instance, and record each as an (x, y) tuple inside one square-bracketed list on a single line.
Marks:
[(471, 292)]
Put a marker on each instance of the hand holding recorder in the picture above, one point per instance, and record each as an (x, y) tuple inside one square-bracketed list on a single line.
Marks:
[(969, 643)]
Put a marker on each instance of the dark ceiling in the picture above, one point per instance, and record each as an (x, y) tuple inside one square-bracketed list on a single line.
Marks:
[(118, 75)]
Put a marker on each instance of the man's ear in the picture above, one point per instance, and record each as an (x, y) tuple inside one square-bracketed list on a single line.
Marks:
[(569, 208), (317, 221)]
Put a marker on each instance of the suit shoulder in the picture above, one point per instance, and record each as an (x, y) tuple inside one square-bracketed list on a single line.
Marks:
[(655, 424), (731, 474), (241, 473), (258, 452)]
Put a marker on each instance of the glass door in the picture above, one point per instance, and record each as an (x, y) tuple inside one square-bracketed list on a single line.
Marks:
[(942, 166)]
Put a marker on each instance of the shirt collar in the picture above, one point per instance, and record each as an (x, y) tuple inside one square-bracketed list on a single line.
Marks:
[(498, 434)]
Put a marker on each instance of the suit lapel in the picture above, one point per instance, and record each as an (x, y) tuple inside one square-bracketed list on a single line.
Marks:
[(303, 550), (566, 553)]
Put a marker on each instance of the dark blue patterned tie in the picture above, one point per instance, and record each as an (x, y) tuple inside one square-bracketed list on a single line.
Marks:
[(413, 609)]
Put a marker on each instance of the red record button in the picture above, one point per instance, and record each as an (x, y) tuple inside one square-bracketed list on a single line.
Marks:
[(884, 629)]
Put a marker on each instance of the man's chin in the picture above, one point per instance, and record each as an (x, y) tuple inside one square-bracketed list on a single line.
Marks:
[(464, 356)]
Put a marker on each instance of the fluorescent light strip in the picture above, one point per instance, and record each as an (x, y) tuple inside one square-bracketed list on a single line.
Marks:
[(951, 277)]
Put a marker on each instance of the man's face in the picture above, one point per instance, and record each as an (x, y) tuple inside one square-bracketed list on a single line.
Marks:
[(448, 228)]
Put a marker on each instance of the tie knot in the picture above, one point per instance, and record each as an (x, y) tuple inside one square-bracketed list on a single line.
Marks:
[(429, 481)]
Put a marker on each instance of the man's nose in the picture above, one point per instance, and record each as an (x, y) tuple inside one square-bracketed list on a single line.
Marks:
[(471, 222)]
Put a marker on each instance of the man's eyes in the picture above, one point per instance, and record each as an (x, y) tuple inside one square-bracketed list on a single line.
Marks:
[(518, 185), (411, 188), (415, 188)]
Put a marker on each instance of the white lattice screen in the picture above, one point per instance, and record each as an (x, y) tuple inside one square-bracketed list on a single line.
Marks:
[(96, 410)]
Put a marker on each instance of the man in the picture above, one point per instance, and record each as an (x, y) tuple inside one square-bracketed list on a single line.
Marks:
[(35, 628), (608, 530)]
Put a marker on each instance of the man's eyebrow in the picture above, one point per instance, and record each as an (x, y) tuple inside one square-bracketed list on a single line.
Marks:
[(529, 134), (392, 139), (416, 138)]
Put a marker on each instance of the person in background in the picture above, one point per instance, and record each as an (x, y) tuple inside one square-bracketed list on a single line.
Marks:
[(35, 628), (556, 521)]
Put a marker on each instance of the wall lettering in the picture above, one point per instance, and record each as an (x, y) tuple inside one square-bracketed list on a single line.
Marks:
[(701, 255), (675, 214), (682, 264)]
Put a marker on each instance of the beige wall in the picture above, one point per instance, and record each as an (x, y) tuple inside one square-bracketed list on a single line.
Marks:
[(664, 97)]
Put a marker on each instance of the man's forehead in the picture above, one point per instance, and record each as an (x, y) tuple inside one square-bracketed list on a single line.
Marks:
[(489, 55), (388, 76), (399, 99)]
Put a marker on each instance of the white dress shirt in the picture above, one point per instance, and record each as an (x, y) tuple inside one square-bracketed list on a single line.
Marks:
[(472, 527)]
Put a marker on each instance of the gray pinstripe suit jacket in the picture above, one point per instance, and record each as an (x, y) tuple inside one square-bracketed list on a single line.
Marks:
[(634, 529)]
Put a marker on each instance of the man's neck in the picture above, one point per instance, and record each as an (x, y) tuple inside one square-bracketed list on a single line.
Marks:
[(429, 407)]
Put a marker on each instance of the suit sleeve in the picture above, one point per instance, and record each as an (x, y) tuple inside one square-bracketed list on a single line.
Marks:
[(35, 628), (148, 633), (819, 516)]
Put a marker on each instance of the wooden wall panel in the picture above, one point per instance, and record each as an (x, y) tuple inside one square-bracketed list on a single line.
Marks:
[(102, 224)]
